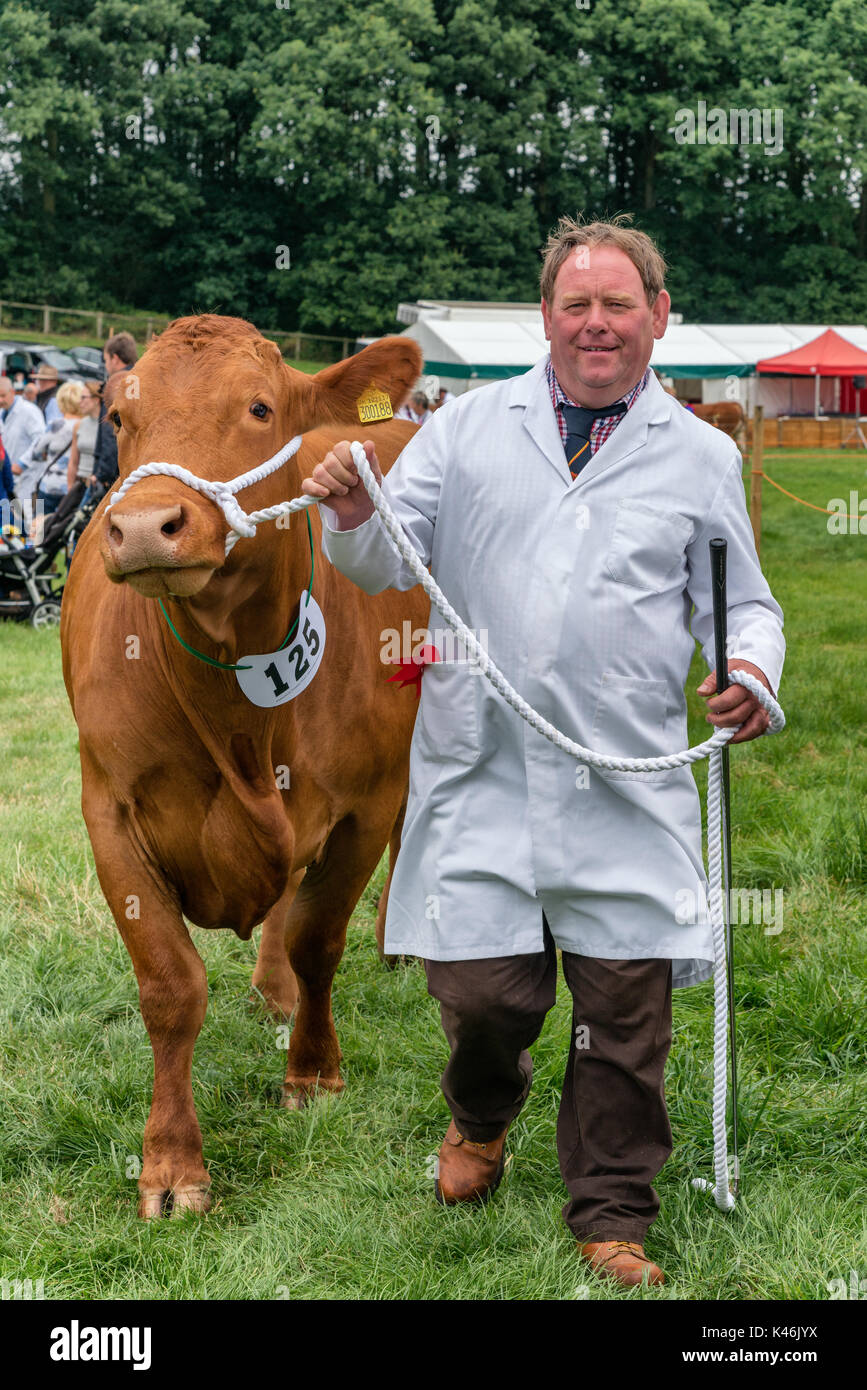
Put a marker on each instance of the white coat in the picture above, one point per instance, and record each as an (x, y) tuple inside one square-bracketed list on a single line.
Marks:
[(584, 588)]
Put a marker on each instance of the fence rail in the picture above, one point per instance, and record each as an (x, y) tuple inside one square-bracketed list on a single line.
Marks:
[(53, 317), (806, 432)]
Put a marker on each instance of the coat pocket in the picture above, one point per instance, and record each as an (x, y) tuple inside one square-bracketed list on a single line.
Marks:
[(447, 725), (637, 718), (648, 545)]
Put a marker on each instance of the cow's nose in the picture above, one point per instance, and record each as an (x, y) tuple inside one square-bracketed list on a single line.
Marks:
[(142, 538)]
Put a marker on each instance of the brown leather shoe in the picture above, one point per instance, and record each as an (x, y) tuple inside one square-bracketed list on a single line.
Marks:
[(469, 1172), (623, 1260)]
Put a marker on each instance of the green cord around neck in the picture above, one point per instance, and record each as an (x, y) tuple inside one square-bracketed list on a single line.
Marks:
[(235, 666)]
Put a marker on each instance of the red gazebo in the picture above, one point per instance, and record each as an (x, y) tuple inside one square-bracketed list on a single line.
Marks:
[(827, 355)]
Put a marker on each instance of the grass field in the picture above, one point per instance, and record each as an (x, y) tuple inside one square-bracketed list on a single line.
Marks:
[(336, 1202)]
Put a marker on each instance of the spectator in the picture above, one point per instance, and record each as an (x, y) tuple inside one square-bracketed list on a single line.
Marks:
[(21, 423), (86, 431), (30, 392), (79, 470), (45, 379), (442, 397), (7, 487), (45, 463), (119, 354), (415, 409)]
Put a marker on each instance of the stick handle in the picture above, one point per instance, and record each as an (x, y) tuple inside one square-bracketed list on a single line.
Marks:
[(718, 550)]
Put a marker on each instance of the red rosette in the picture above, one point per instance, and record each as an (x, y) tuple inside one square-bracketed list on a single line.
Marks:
[(411, 672)]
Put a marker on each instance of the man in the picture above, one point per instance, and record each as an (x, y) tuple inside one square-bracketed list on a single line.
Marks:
[(443, 397), (46, 381), (21, 422), (119, 355), (566, 513), (416, 409)]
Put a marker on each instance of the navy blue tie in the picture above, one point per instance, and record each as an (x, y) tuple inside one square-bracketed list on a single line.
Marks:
[(579, 423)]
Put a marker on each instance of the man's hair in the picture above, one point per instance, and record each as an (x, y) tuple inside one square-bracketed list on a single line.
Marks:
[(638, 246), (69, 397), (123, 346)]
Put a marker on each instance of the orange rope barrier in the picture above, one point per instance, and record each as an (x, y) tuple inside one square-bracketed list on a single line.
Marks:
[(827, 510)]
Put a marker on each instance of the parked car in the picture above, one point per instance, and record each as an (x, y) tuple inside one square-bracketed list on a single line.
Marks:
[(90, 361), (27, 357)]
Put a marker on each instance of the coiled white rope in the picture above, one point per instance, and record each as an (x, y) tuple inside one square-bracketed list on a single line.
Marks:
[(243, 523)]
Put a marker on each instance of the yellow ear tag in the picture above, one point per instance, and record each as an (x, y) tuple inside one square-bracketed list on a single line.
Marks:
[(374, 405)]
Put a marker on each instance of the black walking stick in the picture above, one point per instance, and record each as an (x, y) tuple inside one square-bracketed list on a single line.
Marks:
[(718, 550)]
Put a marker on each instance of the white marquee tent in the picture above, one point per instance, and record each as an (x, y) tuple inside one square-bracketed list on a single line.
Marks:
[(468, 343)]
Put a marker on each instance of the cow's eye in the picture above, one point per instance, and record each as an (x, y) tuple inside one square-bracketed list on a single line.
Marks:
[(116, 420), (260, 410)]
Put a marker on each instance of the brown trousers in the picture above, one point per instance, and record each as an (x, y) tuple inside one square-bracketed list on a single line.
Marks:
[(613, 1134)]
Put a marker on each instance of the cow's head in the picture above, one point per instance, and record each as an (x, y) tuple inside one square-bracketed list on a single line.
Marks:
[(216, 397)]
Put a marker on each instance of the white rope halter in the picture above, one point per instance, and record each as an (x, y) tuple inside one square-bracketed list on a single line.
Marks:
[(240, 523), (243, 523)]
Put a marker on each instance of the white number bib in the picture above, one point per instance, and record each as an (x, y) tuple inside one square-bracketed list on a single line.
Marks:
[(273, 678)]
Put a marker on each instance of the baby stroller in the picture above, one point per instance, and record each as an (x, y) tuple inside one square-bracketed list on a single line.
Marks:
[(30, 587)]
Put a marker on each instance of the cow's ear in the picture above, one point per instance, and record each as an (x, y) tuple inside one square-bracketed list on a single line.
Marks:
[(392, 365)]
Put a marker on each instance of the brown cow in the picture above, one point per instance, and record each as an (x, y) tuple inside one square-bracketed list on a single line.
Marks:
[(183, 779), (727, 416)]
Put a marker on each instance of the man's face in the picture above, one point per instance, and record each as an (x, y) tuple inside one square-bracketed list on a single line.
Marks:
[(113, 363), (600, 326), (7, 394), (44, 381)]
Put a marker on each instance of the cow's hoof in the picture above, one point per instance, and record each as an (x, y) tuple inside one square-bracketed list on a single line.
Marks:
[(280, 1000), (293, 1098), (297, 1094), (176, 1202), (280, 1007), (186, 1199), (152, 1205)]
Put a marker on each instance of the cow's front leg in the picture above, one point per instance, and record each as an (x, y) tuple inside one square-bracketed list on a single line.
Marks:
[(173, 991)]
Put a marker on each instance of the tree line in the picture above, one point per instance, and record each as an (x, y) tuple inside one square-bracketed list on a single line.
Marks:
[(310, 163)]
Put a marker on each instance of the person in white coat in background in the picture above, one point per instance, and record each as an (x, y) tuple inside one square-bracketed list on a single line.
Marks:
[(417, 409), (566, 514)]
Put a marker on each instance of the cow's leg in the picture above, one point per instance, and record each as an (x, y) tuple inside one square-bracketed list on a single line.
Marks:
[(382, 905), (274, 977), (173, 991), (741, 435), (173, 988), (316, 936)]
